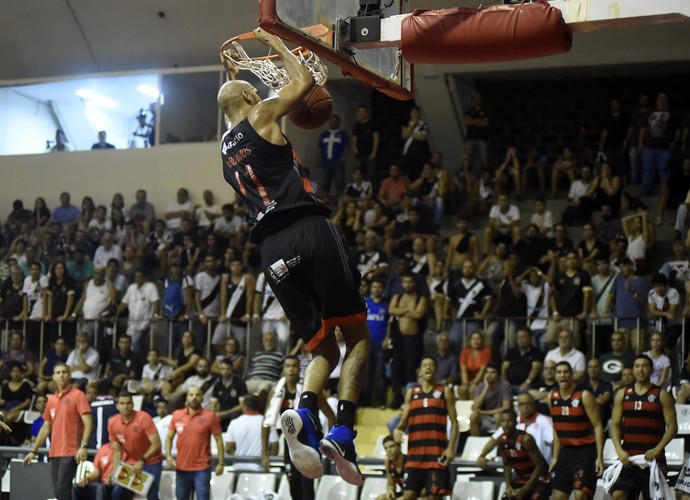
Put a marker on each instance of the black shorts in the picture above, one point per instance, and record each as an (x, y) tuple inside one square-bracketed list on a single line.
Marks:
[(635, 480), (310, 272), (434, 481), (575, 470)]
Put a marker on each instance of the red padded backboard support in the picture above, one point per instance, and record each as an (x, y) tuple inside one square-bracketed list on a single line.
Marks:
[(269, 20), (500, 33)]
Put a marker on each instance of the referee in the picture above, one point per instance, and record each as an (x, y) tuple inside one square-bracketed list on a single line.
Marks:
[(67, 420)]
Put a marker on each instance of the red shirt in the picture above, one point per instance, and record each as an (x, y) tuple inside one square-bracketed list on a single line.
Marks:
[(473, 364), (104, 461), (194, 433), (64, 414), (133, 437)]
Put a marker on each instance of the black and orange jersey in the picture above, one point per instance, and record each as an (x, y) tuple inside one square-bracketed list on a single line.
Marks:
[(427, 421), (570, 420), (270, 180), (643, 423), (516, 457), (396, 475)]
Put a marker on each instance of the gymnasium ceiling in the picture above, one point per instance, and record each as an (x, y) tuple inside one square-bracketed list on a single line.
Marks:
[(43, 38)]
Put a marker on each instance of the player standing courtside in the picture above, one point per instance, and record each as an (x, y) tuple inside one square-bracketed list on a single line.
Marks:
[(578, 439), (304, 257), (428, 407), (644, 416)]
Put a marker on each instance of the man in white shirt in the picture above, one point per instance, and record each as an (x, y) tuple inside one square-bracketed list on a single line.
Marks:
[(243, 437), (162, 420), (504, 224), (206, 300), (108, 250), (33, 292), (542, 218), (143, 303), (576, 210), (181, 208), (201, 379), (567, 352), (538, 425), (83, 361), (98, 294), (228, 226), (208, 212), (270, 313)]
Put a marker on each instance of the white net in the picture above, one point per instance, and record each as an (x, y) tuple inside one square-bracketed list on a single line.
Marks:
[(270, 74)]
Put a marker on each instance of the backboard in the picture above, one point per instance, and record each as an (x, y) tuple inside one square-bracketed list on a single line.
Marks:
[(381, 67)]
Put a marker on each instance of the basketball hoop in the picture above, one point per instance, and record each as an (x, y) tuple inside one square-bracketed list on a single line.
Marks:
[(265, 68)]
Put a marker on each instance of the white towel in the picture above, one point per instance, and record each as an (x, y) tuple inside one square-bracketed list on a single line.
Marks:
[(658, 486), (272, 414)]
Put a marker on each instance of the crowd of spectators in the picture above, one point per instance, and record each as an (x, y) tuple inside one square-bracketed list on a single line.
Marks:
[(154, 303)]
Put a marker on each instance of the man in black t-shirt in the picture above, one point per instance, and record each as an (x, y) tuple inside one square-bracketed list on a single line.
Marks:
[(477, 139), (365, 141), (226, 394), (658, 137), (522, 364), (571, 301), (304, 257), (11, 298)]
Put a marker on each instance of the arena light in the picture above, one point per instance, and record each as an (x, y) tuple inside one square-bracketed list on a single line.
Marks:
[(96, 98), (148, 90)]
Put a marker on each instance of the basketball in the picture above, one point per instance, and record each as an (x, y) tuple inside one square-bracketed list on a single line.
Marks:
[(314, 110)]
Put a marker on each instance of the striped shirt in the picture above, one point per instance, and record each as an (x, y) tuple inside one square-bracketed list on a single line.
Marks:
[(516, 457), (570, 420), (427, 421), (643, 422), (266, 365)]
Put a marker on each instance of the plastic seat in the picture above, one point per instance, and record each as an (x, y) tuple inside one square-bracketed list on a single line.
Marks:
[(473, 490), (373, 487), (379, 450), (600, 492), (166, 489), (222, 486), (284, 488), (30, 417), (138, 401), (683, 418), (473, 448), (501, 490), (675, 452), (463, 410), (332, 487), (255, 484)]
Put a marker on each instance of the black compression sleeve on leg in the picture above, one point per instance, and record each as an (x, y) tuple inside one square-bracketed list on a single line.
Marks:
[(309, 400), (346, 414)]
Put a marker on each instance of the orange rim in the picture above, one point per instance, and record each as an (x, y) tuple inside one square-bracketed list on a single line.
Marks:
[(319, 31)]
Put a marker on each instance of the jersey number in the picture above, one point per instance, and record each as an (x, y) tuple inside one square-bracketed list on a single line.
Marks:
[(638, 405), (565, 410)]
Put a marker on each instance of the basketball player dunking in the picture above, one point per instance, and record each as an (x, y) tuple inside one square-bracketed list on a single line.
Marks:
[(304, 257)]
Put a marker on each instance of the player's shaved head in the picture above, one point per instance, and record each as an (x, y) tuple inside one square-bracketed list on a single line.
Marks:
[(230, 94)]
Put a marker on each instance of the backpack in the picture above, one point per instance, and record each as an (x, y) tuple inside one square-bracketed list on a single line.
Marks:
[(173, 299)]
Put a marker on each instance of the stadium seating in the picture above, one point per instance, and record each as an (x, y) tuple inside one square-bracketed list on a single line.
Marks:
[(333, 487), (373, 487), (222, 485), (255, 484), (473, 490), (683, 418)]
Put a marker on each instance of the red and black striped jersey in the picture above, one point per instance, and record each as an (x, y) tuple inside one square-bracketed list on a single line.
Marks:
[(426, 426), (516, 457), (396, 475), (269, 179), (570, 420), (643, 423)]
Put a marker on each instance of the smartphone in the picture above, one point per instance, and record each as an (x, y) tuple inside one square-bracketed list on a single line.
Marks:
[(442, 460)]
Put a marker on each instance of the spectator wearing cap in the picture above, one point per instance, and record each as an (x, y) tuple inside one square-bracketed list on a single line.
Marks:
[(628, 300), (162, 420)]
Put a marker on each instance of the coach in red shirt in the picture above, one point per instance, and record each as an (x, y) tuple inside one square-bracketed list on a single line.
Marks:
[(194, 426), (135, 440), (67, 419)]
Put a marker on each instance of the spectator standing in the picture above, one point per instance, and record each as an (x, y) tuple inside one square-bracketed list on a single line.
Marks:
[(237, 291), (477, 123), (244, 435), (365, 142), (68, 422), (334, 144), (194, 426), (102, 142), (663, 305), (473, 299), (34, 307), (207, 300), (377, 318), (615, 136), (627, 300), (657, 139), (416, 148), (135, 441), (144, 306), (638, 120)]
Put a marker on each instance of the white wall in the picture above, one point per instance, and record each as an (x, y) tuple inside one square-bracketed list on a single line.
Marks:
[(26, 123), (100, 174)]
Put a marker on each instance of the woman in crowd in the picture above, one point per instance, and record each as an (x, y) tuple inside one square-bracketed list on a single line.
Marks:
[(41, 213), (231, 349), (473, 362), (60, 299), (348, 218), (636, 231), (661, 364)]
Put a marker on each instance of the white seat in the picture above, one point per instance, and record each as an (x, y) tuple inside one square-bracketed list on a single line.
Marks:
[(473, 448), (501, 490), (465, 477), (222, 486), (31, 416), (138, 401), (600, 493), (379, 450), (373, 487), (255, 484), (473, 490), (683, 418), (166, 488), (610, 454), (332, 487), (463, 409), (284, 488), (675, 452), (133, 385)]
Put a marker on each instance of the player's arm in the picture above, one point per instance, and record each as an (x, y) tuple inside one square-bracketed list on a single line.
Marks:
[(529, 444), (449, 452), (556, 441), (668, 406), (508, 478), (490, 445), (592, 410), (615, 428), (399, 431), (266, 113)]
